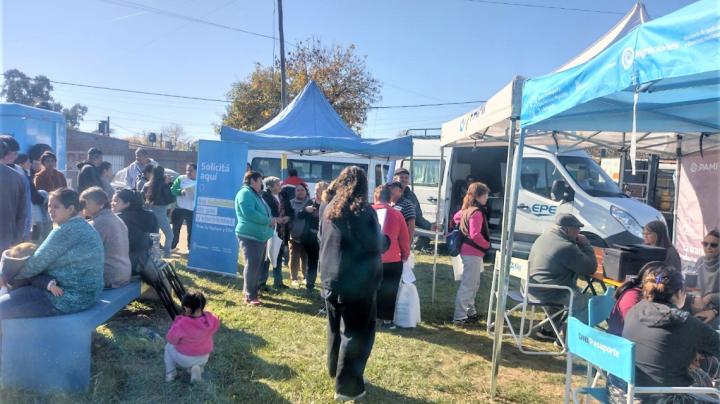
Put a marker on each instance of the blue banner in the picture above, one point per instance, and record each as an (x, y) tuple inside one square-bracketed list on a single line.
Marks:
[(221, 168)]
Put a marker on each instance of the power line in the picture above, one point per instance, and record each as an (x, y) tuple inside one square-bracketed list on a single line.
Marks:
[(172, 14), (187, 97), (514, 4), (228, 101)]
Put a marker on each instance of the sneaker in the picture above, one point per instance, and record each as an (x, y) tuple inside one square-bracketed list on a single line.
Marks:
[(341, 397), (282, 286), (473, 319), (388, 325), (546, 335), (196, 374), (465, 322), (169, 377), (253, 302)]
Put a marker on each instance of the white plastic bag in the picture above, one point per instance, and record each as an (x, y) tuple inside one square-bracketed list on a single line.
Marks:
[(407, 307), (457, 266), (408, 276), (273, 248)]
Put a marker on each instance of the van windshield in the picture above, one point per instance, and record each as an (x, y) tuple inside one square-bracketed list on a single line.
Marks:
[(590, 177)]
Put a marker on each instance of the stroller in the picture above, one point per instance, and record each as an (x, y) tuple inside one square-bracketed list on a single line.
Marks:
[(161, 275)]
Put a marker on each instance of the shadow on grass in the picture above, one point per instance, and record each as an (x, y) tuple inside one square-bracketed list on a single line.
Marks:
[(377, 394)]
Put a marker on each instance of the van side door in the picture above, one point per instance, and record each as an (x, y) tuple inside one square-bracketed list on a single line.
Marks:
[(536, 209)]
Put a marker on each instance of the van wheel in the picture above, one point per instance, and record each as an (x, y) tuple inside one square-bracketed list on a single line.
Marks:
[(595, 240)]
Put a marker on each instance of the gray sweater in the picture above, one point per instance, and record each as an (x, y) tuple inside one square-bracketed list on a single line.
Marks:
[(708, 272), (557, 260), (114, 236)]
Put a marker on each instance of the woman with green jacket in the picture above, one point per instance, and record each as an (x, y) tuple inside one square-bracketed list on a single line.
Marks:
[(254, 228)]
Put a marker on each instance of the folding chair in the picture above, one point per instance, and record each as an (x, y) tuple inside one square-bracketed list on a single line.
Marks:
[(599, 309), (527, 306), (616, 356)]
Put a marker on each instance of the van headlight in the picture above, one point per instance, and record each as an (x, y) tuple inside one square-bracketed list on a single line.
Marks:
[(627, 221)]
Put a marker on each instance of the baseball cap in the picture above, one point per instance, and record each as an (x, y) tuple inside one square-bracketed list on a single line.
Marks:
[(402, 170), (568, 220)]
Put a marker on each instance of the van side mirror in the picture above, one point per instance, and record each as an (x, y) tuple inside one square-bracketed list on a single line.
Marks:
[(561, 191)]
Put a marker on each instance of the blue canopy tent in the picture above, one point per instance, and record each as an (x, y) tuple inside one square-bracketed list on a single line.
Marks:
[(309, 124), (660, 84)]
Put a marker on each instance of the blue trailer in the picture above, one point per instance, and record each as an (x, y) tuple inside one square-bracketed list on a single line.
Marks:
[(31, 126)]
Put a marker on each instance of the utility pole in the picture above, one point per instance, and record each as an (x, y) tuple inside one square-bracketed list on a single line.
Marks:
[(283, 82)]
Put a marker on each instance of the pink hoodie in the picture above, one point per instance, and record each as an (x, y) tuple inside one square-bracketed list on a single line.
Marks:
[(476, 225), (193, 336)]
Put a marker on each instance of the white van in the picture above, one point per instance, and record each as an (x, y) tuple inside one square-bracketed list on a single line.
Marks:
[(550, 182), (319, 167)]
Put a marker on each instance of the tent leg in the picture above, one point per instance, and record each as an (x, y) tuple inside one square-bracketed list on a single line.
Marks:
[(678, 152), (495, 287), (508, 235), (437, 222)]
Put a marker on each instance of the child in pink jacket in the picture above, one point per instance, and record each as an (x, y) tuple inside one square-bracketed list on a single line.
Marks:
[(190, 339)]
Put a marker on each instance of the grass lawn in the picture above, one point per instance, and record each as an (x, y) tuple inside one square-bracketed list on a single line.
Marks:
[(276, 354)]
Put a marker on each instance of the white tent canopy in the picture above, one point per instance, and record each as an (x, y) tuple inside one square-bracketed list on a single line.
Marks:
[(491, 121)]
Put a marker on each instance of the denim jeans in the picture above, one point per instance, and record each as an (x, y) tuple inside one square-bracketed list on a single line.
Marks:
[(164, 223), (276, 269), (254, 255), (25, 302)]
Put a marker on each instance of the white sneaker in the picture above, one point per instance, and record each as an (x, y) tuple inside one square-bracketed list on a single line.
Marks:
[(342, 397), (196, 374)]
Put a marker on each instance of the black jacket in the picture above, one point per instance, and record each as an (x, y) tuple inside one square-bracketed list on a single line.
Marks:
[(140, 223), (350, 255), (666, 340), (89, 176)]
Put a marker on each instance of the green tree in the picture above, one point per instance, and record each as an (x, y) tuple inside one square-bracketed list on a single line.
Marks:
[(36, 91), (340, 73)]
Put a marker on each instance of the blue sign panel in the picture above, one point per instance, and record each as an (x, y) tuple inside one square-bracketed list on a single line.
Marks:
[(221, 167)]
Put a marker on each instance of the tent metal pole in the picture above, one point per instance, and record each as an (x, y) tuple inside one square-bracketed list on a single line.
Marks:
[(678, 167), (506, 261), (438, 227), (506, 208)]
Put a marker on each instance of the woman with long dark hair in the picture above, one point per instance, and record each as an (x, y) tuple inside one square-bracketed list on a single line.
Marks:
[(159, 198), (626, 296), (72, 254), (655, 234), (472, 222), (351, 245), (140, 222)]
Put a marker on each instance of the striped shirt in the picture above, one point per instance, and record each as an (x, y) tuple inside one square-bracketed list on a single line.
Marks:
[(406, 207)]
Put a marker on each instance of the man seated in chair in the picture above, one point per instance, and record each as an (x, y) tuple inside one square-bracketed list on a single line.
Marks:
[(557, 257)]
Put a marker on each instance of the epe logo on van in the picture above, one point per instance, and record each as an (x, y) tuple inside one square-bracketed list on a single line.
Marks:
[(543, 210)]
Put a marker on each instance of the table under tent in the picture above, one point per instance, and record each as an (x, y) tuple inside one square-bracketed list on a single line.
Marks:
[(310, 125), (656, 90)]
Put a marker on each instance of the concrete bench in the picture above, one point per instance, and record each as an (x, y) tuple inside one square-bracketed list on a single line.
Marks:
[(46, 354)]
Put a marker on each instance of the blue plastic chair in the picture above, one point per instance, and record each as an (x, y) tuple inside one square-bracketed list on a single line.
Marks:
[(616, 356), (600, 307)]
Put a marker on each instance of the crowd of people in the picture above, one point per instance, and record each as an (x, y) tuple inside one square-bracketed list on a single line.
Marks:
[(62, 247)]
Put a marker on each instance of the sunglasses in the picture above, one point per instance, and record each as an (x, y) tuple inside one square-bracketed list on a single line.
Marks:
[(706, 244)]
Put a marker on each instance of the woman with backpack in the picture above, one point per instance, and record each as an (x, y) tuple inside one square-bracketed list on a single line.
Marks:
[(472, 223)]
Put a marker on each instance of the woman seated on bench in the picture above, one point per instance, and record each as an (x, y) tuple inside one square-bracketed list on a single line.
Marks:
[(128, 205), (114, 236), (72, 254)]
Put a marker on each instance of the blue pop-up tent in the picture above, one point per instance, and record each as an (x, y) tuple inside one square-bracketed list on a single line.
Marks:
[(658, 86), (310, 124)]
